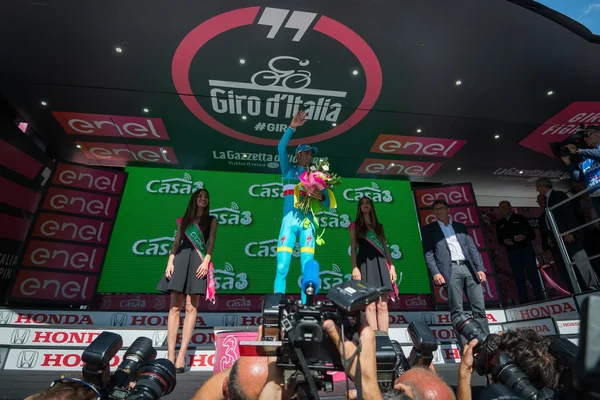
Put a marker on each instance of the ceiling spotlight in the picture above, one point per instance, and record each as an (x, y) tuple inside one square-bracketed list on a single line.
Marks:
[(355, 72), (118, 50), (334, 124), (497, 137), (419, 130), (458, 83), (44, 103), (78, 146), (392, 164), (550, 93), (244, 117), (458, 169), (520, 172), (146, 110), (242, 61), (164, 151)]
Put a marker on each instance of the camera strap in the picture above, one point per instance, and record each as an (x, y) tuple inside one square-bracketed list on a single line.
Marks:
[(347, 361), (304, 365)]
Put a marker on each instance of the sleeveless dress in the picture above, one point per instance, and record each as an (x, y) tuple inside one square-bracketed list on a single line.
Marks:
[(372, 265), (186, 262)]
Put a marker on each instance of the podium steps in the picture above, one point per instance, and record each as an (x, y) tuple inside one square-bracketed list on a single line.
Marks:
[(52, 340)]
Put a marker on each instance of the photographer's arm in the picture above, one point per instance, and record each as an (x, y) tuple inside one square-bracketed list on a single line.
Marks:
[(465, 370), (368, 363), (593, 154), (213, 388)]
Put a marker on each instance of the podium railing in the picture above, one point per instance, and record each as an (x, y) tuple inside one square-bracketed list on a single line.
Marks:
[(559, 236)]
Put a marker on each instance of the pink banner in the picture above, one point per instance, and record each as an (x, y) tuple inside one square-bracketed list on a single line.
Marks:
[(44, 254), (463, 209), (78, 202), (477, 235), (398, 167), (94, 179), (228, 303), (464, 215), (453, 195), (54, 286), (119, 154), (490, 215), (562, 125), (417, 146), (18, 161), (72, 229), (112, 125)]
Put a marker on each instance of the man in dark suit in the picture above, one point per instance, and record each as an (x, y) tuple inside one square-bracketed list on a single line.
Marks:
[(566, 220), (454, 262), (515, 234)]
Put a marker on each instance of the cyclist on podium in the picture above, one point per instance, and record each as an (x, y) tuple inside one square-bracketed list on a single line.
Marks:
[(292, 225)]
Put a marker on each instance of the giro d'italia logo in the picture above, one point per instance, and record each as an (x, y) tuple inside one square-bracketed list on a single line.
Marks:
[(246, 72)]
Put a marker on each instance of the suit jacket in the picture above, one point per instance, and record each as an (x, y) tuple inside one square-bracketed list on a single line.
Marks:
[(437, 252), (566, 219)]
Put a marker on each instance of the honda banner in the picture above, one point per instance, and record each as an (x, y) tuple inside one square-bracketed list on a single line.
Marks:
[(66, 251), (463, 208), (148, 320)]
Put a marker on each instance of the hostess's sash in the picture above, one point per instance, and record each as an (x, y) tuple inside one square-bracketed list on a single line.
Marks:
[(194, 234), (376, 242)]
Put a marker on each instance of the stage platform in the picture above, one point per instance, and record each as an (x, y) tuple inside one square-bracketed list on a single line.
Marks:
[(38, 345)]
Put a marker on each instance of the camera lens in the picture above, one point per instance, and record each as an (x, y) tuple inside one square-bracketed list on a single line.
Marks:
[(155, 379), (140, 350), (511, 376), (469, 328)]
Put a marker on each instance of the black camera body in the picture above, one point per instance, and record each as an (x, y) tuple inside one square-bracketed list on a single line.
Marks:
[(559, 149), (153, 378), (293, 332)]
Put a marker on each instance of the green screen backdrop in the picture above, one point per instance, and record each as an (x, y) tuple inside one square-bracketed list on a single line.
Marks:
[(249, 209)]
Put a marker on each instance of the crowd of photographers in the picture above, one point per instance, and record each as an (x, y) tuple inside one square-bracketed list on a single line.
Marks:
[(259, 377)]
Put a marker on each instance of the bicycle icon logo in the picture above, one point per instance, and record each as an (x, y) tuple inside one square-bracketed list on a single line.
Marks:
[(290, 79)]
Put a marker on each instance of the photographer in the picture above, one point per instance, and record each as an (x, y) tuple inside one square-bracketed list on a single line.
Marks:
[(260, 378), (588, 169), (526, 348), (67, 389)]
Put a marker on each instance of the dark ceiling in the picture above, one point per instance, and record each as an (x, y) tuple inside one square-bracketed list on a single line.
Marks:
[(380, 67)]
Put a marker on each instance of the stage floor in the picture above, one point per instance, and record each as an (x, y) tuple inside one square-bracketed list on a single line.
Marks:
[(16, 385)]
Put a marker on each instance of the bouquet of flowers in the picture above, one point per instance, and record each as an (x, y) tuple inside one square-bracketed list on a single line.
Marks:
[(319, 177)]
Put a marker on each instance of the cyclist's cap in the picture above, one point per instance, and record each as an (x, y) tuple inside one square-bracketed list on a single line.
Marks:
[(305, 147)]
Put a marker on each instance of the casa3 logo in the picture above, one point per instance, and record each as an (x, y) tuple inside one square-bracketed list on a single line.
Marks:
[(266, 190), (153, 247), (268, 91), (226, 278), (184, 185), (395, 251), (267, 248), (329, 278), (232, 216), (331, 219), (374, 193)]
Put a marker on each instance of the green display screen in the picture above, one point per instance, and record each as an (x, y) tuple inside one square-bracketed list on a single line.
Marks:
[(249, 209)]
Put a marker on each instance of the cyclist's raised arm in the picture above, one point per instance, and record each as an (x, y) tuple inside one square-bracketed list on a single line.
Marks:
[(298, 120)]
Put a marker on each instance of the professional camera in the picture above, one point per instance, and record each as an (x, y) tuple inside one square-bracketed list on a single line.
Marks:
[(580, 377), (293, 332), (559, 149), (154, 378)]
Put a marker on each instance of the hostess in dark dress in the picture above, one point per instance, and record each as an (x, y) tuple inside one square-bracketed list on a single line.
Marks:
[(372, 265), (186, 262)]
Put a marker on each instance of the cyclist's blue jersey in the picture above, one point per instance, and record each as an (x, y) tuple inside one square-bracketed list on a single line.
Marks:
[(291, 175)]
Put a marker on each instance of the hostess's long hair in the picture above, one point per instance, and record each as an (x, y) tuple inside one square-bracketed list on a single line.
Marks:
[(361, 224), (190, 213)]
